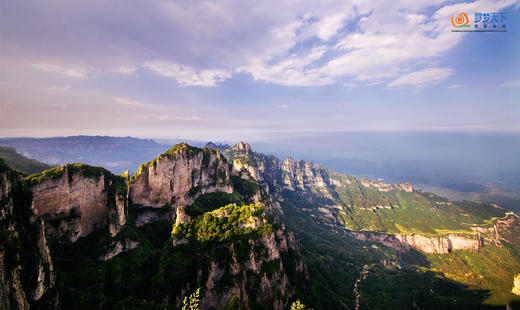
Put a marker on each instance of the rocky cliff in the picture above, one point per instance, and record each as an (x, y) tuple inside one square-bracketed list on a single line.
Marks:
[(26, 265), (298, 175), (12, 293), (440, 244), (57, 205), (179, 176), (306, 175), (95, 216), (264, 169), (258, 256), (75, 200), (191, 219)]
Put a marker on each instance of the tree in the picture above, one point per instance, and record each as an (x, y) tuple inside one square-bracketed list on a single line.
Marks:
[(297, 305), (193, 302)]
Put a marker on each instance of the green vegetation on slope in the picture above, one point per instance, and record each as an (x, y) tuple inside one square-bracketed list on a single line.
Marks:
[(157, 271), (228, 222), (211, 201), (398, 211), (20, 162), (336, 261), (55, 173), (361, 204), (491, 268)]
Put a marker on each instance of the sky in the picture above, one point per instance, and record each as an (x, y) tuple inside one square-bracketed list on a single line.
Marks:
[(252, 70)]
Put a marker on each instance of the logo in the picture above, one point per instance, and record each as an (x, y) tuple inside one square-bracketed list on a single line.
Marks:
[(461, 21), (482, 22)]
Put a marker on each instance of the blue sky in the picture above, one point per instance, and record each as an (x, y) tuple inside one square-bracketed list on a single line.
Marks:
[(230, 70)]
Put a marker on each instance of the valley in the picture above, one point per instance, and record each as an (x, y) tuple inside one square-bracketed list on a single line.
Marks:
[(251, 232)]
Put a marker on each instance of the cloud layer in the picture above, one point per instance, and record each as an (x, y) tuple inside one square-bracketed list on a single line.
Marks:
[(186, 68), (202, 43)]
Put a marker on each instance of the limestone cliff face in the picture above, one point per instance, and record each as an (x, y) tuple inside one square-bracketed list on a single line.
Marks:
[(26, 265), (12, 293), (62, 205), (297, 175), (302, 175), (75, 200), (264, 169), (179, 176), (255, 259), (305, 175), (441, 244), (445, 243), (272, 288)]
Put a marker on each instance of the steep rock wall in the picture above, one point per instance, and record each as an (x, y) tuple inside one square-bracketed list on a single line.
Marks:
[(255, 259), (75, 200), (12, 293), (441, 244), (304, 175), (179, 176), (273, 290)]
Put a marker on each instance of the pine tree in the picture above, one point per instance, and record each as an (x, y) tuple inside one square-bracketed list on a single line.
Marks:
[(193, 302)]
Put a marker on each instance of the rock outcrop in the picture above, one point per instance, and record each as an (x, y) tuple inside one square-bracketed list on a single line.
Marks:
[(245, 255), (440, 244), (179, 176), (75, 200), (12, 292), (297, 175), (305, 175), (264, 169), (118, 247), (220, 147), (256, 265), (273, 287)]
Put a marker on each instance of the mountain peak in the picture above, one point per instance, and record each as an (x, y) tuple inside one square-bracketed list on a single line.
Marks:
[(180, 147), (221, 147), (242, 146)]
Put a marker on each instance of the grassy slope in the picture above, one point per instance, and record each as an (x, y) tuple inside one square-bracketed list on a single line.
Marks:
[(362, 208), (336, 261), (491, 269), (410, 212), (20, 162)]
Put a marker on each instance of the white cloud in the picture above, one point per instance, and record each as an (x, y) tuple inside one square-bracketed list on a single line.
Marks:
[(187, 76), (74, 72), (422, 77), (329, 26), (351, 85), (455, 86), (158, 117), (512, 84), (415, 19), (135, 103), (292, 43), (188, 118), (55, 107), (294, 70), (125, 70), (55, 88), (284, 106)]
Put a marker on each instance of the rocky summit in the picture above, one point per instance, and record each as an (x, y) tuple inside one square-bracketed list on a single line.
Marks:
[(245, 230)]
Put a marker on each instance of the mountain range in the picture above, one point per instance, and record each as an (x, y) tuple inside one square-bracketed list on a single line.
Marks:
[(247, 231), (115, 153)]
